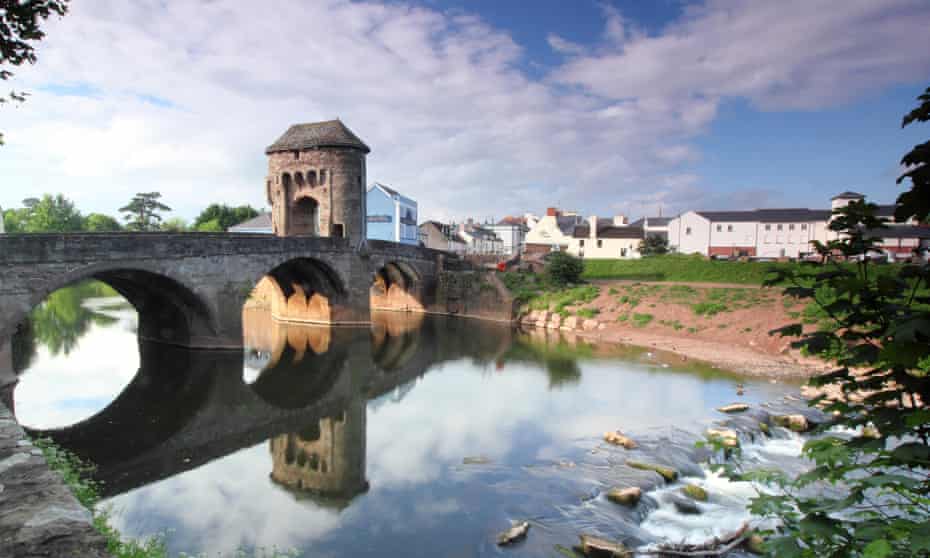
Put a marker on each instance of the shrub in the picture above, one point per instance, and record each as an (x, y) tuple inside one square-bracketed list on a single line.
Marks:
[(562, 268), (642, 320)]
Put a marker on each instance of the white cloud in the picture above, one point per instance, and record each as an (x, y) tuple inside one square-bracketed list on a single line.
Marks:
[(440, 97)]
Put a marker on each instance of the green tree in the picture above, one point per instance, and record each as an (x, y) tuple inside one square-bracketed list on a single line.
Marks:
[(563, 268), (142, 213), (225, 216), (213, 225), (19, 29), (174, 224), (653, 245), (53, 214), (14, 220), (881, 325), (98, 222)]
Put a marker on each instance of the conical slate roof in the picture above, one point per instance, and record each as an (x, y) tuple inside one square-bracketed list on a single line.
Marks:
[(331, 133)]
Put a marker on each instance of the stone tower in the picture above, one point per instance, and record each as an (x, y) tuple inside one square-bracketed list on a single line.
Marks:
[(316, 181)]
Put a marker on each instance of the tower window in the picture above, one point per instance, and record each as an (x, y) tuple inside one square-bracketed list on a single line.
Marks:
[(296, 155), (311, 178), (322, 176), (339, 230)]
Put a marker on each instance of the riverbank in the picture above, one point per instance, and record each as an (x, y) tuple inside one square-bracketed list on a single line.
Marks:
[(724, 325)]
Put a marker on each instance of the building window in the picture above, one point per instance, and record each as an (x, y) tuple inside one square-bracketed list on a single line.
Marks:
[(600, 243), (580, 253), (768, 227), (803, 226), (688, 231), (581, 243), (719, 228), (623, 252), (729, 228), (779, 227), (322, 176), (790, 227)]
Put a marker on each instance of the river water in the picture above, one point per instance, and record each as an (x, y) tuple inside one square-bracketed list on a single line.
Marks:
[(418, 436)]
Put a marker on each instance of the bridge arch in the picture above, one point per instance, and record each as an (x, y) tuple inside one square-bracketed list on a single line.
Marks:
[(169, 311), (397, 286), (303, 290)]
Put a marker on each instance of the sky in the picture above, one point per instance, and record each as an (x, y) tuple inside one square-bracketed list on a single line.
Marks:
[(476, 108)]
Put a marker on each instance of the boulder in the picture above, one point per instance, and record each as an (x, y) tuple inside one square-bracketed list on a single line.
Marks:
[(555, 321), (589, 325), (734, 408), (618, 439), (596, 547), (667, 473), (684, 506), (796, 423), (570, 323), (625, 496), (726, 436), (516, 532), (694, 492)]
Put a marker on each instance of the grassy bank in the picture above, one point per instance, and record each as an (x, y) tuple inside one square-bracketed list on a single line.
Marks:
[(682, 268)]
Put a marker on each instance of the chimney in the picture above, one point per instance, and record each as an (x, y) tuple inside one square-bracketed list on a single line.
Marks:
[(620, 221), (470, 221), (592, 226), (552, 212)]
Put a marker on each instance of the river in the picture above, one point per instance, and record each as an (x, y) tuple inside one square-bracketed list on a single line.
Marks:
[(417, 436)]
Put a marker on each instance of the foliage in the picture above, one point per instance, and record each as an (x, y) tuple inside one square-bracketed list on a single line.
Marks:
[(224, 216), (916, 201), (174, 224), (563, 268), (51, 214), (653, 245), (98, 222), (882, 507), (212, 225), (19, 28), (642, 320), (62, 319), (708, 308), (142, 213), (587, 312)]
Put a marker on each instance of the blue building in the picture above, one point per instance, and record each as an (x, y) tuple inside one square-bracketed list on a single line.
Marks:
[(391, 216)]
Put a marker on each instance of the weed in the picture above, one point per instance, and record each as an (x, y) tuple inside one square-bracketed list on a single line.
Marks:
[(588, 312), (709, 308), (642, 320)]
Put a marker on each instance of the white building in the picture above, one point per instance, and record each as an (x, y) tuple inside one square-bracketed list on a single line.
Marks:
[(606, 239), (480, 240), (774, 233), (653, 226), (440, 236), (512, 232), (551, 233)]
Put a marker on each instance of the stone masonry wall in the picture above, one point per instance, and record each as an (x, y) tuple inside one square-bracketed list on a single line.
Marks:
[(39, 516)]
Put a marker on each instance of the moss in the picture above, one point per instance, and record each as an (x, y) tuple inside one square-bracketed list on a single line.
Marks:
[(694, 492)]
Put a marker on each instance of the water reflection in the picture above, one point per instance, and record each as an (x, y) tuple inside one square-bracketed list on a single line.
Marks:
[(361, 441)]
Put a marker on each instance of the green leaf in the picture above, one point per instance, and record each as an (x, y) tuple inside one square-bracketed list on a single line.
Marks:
[(877, 549)]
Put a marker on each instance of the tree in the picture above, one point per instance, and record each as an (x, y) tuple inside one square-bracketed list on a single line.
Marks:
[(879, 334), (52, 214), (19, 28), (213, 225), (142, 213), (916, 201), (98, 222), (224, 215), (653, 245), (174, 224), (14, 220), (563, 268)]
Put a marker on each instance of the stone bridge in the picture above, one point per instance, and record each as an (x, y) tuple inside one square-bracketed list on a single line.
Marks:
[(189, 288)]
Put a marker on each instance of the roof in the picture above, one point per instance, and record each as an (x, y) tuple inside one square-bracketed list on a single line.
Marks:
[(263, 221), (901, 231), (847, 195), (653, 221), (566, 224), (608, 231), (331, 133), (767, 215), (475, 230), (445, 230), (511, 220), (390, 191)]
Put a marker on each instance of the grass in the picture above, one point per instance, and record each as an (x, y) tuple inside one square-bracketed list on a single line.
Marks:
[(708, 308), (674, 324), (76, 475), (681, 268), (587, 312), (642, 320)]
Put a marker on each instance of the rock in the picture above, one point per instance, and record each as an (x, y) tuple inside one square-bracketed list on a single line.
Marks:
[(667, 473), (555, 321), (754, 544), (726, 436), (685, 506), (694, 492), (589, 325), (598, 547), (734, 408), (796, 423), (740, 392), (869, 431), (516, 533), (625, 496), (618, 439), (601, 326), (764, 428), (570, 323)]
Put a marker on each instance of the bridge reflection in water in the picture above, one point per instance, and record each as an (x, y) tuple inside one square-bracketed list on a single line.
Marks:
[(303, 388)]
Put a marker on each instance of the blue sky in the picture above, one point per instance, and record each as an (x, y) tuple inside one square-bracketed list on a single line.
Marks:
[(478, 108)]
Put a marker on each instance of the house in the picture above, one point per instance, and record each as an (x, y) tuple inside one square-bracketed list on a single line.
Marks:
[(480, 240), (256, 225), (774, 233), (391, 215), (601, 238), (440, 236), (511, 231), (551, 233), (653, 226)]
